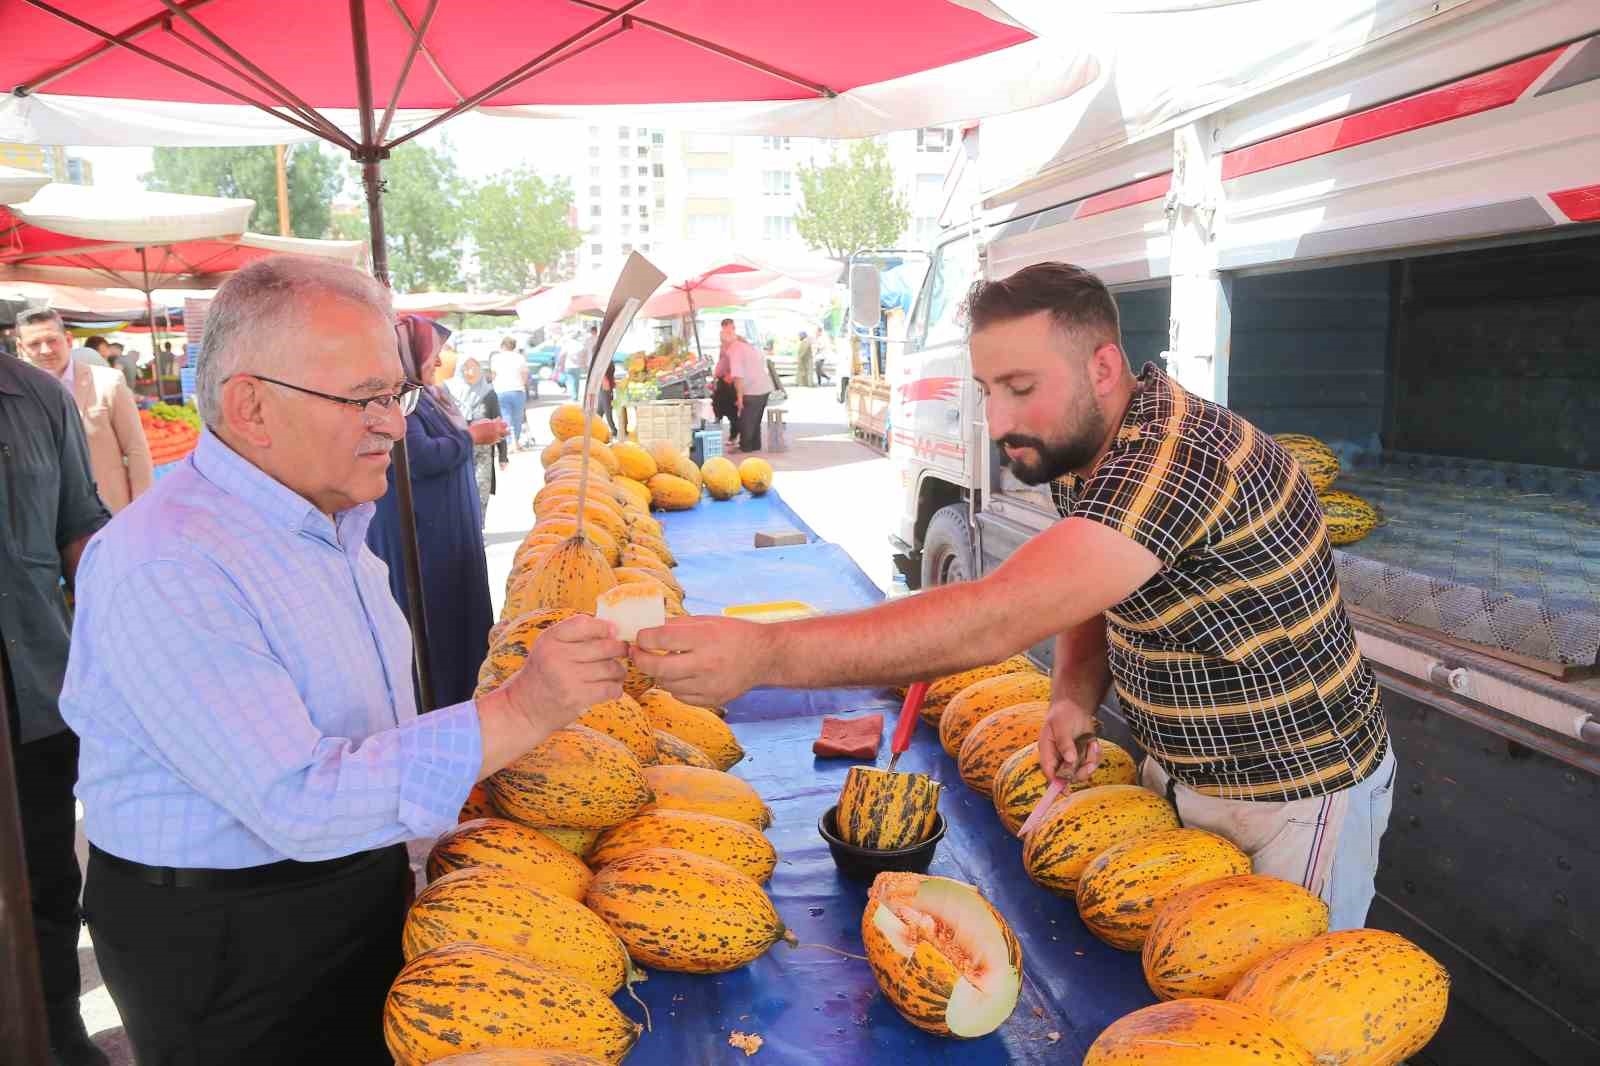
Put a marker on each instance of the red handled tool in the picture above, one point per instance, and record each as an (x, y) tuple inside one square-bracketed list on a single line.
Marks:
[(907, 723)]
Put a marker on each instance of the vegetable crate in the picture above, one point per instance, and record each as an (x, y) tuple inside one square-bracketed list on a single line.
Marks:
[(664, 420)]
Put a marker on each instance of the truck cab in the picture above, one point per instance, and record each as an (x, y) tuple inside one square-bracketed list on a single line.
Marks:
[(1398, 255)]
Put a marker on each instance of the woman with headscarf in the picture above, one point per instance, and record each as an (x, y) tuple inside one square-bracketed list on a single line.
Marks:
[(476, 399), (455, 574)]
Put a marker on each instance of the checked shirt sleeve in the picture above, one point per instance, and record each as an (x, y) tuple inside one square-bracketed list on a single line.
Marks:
[(1163, 494)]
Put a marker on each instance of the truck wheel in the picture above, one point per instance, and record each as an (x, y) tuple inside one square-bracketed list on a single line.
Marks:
[(947, 553)]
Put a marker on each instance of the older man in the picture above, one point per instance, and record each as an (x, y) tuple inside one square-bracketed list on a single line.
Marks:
[(118, 452), (747, 368), (245, 808)]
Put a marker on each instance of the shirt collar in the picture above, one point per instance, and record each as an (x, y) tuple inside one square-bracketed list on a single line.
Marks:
[(237, 476), (67, 371)]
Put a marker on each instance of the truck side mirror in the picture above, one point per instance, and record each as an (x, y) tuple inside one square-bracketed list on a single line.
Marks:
[(866, 295)]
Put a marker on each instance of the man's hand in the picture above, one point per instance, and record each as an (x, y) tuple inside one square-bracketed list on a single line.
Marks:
[(1058, 749), (573, 666), (708, 660)]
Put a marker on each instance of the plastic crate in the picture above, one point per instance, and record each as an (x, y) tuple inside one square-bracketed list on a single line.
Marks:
[(707, 445), (664, 420)]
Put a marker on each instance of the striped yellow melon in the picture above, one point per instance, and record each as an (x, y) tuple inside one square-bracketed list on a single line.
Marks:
[(600, 509), (551, 452), (1208, 936), (1124, 886), (755, 475), (515, 639), (577, 779), (721, 478), (648, 561), (687, 913), (694, 788), (886, 811), (567, 421), (1360, 997), (978, 701), (464, 997), (571, 466), (942, 954), (1020, 784), (626, 574), (571, 575), (637, 682), (567, 527), (598, 453), (577, 841), (694, 725), (738, 844), (672, 493), (1082, 824), (527, 853), (641, 539), (634, 461), (672, 460), (644, 523), (1319, 462), (671, 751), (622, 719), (569, 490), (483, 905), (995, 738), (637, 491), (520, 1057), (942, 691), (1349, 517), (478, 805), (1197, 1032)]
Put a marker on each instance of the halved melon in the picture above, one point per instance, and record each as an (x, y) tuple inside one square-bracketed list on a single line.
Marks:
[(942, 954), (633, 606)]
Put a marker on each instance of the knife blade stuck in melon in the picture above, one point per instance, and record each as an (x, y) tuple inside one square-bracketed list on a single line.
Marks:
[(632, 606)]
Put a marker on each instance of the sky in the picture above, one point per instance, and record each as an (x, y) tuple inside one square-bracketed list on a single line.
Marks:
[(483, 146)]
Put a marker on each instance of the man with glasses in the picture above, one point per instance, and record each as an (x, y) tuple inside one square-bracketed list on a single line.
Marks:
[(246, 805)]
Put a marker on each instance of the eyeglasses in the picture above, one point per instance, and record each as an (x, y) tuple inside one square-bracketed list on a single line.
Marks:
[(373, 408)]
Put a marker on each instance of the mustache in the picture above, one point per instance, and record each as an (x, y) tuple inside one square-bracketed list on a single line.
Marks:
[(375, 445), (1021, 440)]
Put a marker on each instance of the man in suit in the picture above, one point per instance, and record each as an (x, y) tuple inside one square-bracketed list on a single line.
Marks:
[(118, 452)]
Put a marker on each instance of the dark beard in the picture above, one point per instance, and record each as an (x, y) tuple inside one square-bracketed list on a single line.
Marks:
[(1055, 458)]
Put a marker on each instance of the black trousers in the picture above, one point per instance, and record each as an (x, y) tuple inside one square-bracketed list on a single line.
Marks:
[(47, 770), (284, 974), (750, 418)]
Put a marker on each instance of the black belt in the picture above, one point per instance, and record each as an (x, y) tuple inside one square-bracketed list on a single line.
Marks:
[(286, 872)]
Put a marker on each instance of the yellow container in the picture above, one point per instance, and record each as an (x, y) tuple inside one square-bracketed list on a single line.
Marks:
[(776, 611)]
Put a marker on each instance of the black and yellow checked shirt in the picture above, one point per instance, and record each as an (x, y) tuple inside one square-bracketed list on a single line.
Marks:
[(1236, 665)]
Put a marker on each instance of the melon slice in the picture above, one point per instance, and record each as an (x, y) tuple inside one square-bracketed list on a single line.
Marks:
[(632, 606), (942, 954)]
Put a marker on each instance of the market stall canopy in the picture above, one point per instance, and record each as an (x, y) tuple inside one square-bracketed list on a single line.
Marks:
[(18, 186), (83, 236), (152, 71), (77, 304), (564, 299), (453, 303)]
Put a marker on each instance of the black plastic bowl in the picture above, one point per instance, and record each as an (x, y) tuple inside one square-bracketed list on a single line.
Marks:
[(863, 864)]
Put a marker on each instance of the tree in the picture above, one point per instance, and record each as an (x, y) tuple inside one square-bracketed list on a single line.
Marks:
[(851, 203), (522, 230), (424, 218), (252, 173)]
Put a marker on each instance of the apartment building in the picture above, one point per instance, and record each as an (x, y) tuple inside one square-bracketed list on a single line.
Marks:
[(54, 161)]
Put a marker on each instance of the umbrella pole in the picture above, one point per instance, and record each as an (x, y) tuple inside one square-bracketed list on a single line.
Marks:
[(370, 156), (694, 325)]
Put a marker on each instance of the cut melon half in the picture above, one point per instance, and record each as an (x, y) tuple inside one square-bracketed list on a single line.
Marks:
[(632, 606), (942, 954)]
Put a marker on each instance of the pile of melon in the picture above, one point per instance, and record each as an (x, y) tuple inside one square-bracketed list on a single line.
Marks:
[(1246, 961), (1348, 516)]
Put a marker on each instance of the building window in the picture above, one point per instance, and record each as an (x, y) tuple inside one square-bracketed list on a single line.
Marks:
[(710, 142), (594, 172), (644, 190), (777, 227), (775, 144), (661, 202), (644, 247), (597, 249), (622, 151), (622, 190), (709, 227), (934, 139), (643, 133), (643, 229), (622, 172), (594, 151), (708, 181), (929, 186), (594, 211), (658, 137), (775, 182), (644, 172), (627, 249), (925, 230), (594, 190), (622, 131), (626, 210), (625, 229), (644, 153), (658, 170)]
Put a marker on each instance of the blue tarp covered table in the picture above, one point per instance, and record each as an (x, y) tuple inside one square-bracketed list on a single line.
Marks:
[(811, 1006)]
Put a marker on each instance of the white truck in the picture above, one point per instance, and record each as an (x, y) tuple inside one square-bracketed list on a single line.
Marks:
[(1398, 254)]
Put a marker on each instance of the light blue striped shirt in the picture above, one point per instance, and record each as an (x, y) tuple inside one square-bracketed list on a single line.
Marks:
[(240, 677)]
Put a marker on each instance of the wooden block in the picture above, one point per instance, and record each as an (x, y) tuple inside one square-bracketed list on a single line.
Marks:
[(777, 538)]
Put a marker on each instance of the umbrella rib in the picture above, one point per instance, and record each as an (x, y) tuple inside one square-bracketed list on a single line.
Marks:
[(427, 53), (724, 52), (536, 65), (405, 68), (138, 29), (145, 53), (287, 98)]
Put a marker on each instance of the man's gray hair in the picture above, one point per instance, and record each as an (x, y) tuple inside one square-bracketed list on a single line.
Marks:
[(34, 315), (266, 305)]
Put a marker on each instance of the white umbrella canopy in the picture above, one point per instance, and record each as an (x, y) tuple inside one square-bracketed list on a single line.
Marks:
[(19, 186)]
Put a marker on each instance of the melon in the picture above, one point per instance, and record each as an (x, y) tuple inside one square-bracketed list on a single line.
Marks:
[(672, 460), (598, 452), (1122, 887), (670, 492), (694, 725), (596, 512), (637, 491), (1020, 783), (571, 575), (567, 421), (478, 805), (633, 461), (693, 788), (1319, 462), (1197, 1032), (1359, 997), (631, 574), (632, 607), (526, 853), (942, 954), (641, 538), (566, 527), (721, 478), (738, 844), (671, 751), (551, 452), (577, 841), (755, 475), (978, 701), (995, 739), (942, 691), (886, 811), (1348, 516), (1080, 825), (577, 779), (520, 1057), (624, 721), (1206, 937)]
